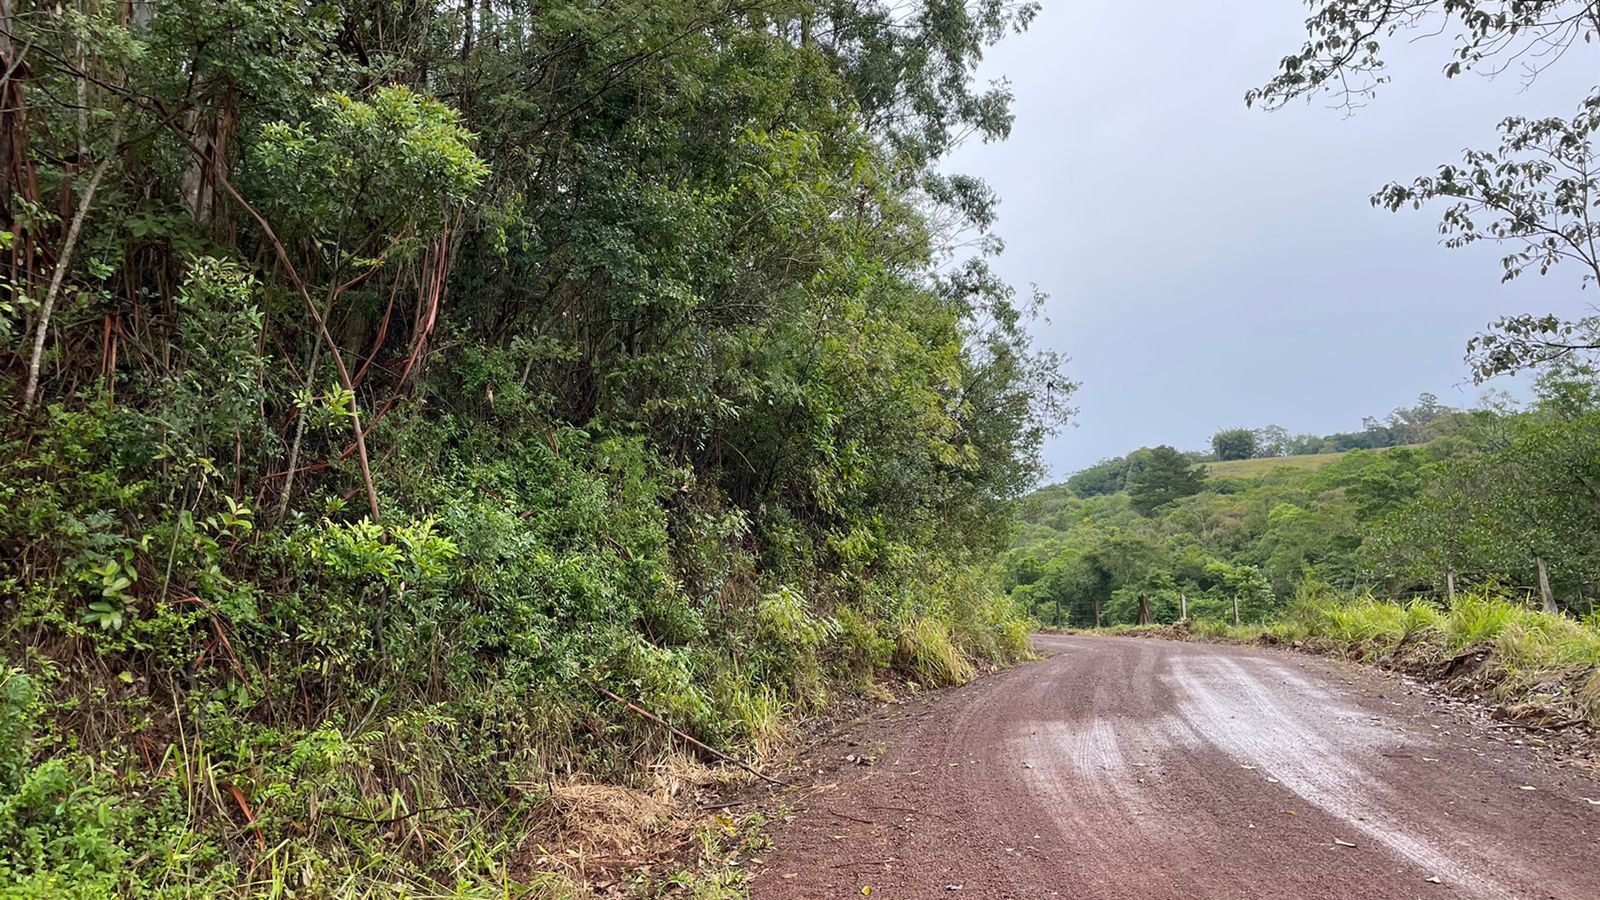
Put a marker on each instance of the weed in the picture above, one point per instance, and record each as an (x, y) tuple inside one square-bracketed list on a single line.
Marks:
[(925, 651), (1478, 617)]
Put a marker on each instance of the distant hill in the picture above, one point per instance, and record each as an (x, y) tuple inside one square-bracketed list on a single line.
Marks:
[(1244, 452)]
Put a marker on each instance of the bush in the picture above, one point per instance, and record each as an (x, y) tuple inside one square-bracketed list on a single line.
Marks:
[(346, 670), (357, 516), (925, 651)]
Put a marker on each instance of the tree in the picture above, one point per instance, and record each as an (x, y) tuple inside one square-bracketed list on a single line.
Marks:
[(1297, 538), (1568, 390), (1071, 589), (1246, 586), (1168, 476), (1108, 476), (1027, 570), (1498, 513), (1273, 440), (1234, 443), (1307, 444), (1535, 192), (1343, 54), (646, 309)]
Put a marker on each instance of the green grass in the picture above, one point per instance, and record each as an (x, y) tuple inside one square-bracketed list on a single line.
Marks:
[(1524, 639), (1381, 623), (1252, 468), (924, 649), (1306, 462), (1533, 654)]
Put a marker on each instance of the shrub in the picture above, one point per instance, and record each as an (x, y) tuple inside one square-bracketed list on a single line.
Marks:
[(861, 648), (1478, 617), (924, 651)]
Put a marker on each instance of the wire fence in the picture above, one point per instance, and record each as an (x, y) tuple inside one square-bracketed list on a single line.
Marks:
[(1081, 612)]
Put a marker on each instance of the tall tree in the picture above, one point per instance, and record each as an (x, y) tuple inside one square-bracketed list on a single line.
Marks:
[(636, 321), (1168, 476), (1234, 443)]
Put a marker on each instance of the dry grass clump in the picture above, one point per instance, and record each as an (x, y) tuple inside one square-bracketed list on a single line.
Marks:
[(599, 832)]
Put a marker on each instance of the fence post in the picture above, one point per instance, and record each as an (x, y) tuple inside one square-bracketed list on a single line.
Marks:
[(1236, 610), (1183, 605), (1545, 594), (1450, 585)]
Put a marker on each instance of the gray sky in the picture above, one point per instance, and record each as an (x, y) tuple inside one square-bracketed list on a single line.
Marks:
[(1211, 265)]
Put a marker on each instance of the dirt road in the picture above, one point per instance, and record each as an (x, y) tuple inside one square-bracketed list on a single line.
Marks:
[(1132, 768)]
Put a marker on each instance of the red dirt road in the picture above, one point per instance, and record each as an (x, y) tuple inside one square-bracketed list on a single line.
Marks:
[(1133, 768)]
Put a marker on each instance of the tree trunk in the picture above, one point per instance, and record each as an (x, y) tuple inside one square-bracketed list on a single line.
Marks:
[(1183, 607), (11, 131), (1144, 610), (1097, 612), (1546, 595), (63, 262), (1236, 610)]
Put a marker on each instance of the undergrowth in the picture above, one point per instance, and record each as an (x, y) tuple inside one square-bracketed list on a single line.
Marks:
[(202, 702), (414, 413)]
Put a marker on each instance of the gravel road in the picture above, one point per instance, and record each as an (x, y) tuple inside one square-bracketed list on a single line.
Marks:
[(1135, 768)]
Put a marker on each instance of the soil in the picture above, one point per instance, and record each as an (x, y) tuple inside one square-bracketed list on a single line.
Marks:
[(1129, 768)]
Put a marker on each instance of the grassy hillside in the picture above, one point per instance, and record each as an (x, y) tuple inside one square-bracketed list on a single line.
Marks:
[(1500, 501), (1252, 468), (1302, 462), (1251, 529)]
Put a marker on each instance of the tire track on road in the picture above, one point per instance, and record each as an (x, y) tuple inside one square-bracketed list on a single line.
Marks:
[(1122, 768)]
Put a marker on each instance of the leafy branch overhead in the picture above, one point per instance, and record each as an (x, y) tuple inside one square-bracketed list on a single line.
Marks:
[(1343, 55), (1537, 192), (1540, 192)]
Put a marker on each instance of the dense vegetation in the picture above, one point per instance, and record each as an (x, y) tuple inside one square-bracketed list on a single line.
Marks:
[(393, 384), (1492, 497), (1407, 425), (388, 380)]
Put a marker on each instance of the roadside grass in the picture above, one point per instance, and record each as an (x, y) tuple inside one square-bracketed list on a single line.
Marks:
[(1369, 621), (1209, 630), (925, 650), (1517, 654), (1521, 637), (1219, 629)]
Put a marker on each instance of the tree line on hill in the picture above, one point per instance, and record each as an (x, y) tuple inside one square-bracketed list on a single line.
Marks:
[(1425, 420), (1496, 497)]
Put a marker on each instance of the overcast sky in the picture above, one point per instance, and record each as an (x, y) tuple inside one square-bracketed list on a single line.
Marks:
[(1211, 265)]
